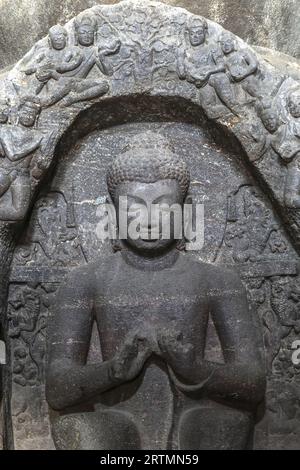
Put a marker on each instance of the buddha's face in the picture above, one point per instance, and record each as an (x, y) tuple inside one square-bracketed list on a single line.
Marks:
[(58, 39), (28, 115), (197, 35), (150, 196), (86, 35)]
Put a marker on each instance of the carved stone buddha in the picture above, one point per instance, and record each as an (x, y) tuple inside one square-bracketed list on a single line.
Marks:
[(151, 301)]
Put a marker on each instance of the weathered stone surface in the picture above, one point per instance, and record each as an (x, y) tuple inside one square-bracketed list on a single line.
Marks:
[(268, 23), (144, 100), (287, 64)]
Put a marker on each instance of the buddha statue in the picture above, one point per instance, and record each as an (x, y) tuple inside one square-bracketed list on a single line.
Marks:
[(151, 300)]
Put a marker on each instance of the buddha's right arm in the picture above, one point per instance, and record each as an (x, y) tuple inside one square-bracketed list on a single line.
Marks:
[(69, 384), (70, 380)]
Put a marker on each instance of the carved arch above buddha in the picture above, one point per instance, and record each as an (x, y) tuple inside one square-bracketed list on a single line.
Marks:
[(155, 63)]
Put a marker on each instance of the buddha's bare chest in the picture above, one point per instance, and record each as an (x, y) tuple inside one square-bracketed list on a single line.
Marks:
[(151, 303)]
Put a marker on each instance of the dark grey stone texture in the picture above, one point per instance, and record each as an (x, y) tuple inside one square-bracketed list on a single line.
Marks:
[(142, 344), (268, 23)]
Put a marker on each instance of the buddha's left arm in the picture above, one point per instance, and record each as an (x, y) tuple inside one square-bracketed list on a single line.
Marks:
[(241, 379), (242, 376)]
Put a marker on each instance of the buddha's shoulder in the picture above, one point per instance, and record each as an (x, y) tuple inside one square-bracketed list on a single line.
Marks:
[(79, 273), (105, 265), (99, 266), (213, 273)]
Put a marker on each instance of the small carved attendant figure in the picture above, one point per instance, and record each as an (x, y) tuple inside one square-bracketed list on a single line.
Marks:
[(284, 139), (268, 114), (203, 64), (151, 302), (198, 61), (241, 65), (69, 66), (55, 60), (81, 87), (118, 58), (292, 151), (17, 144)]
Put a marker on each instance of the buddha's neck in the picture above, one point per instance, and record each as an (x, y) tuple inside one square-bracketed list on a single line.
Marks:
[(155, 263)]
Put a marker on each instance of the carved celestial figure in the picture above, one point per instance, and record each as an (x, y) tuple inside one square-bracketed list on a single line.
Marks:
[(197, 32), (85, 28), (29, 111), (269, 116), (179, 365), (17, 144), (199, 61), (58, 37), (285, 141)]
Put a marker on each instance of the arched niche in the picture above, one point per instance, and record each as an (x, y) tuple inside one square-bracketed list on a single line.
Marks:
[(242, 230), (239, 171)]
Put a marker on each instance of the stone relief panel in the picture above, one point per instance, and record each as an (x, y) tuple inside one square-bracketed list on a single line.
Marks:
[(52, 237), (117, 50), (27, 323), (69, 108), (241, 230), (49, 248)]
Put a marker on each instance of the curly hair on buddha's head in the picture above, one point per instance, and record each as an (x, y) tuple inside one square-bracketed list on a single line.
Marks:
[(149, 157)]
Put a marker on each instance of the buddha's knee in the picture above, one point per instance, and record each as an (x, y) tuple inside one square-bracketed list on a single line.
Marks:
[(216, 427), (108, 430)]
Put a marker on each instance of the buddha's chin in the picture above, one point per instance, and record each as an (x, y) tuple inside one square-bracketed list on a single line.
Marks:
[(150, 246)]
